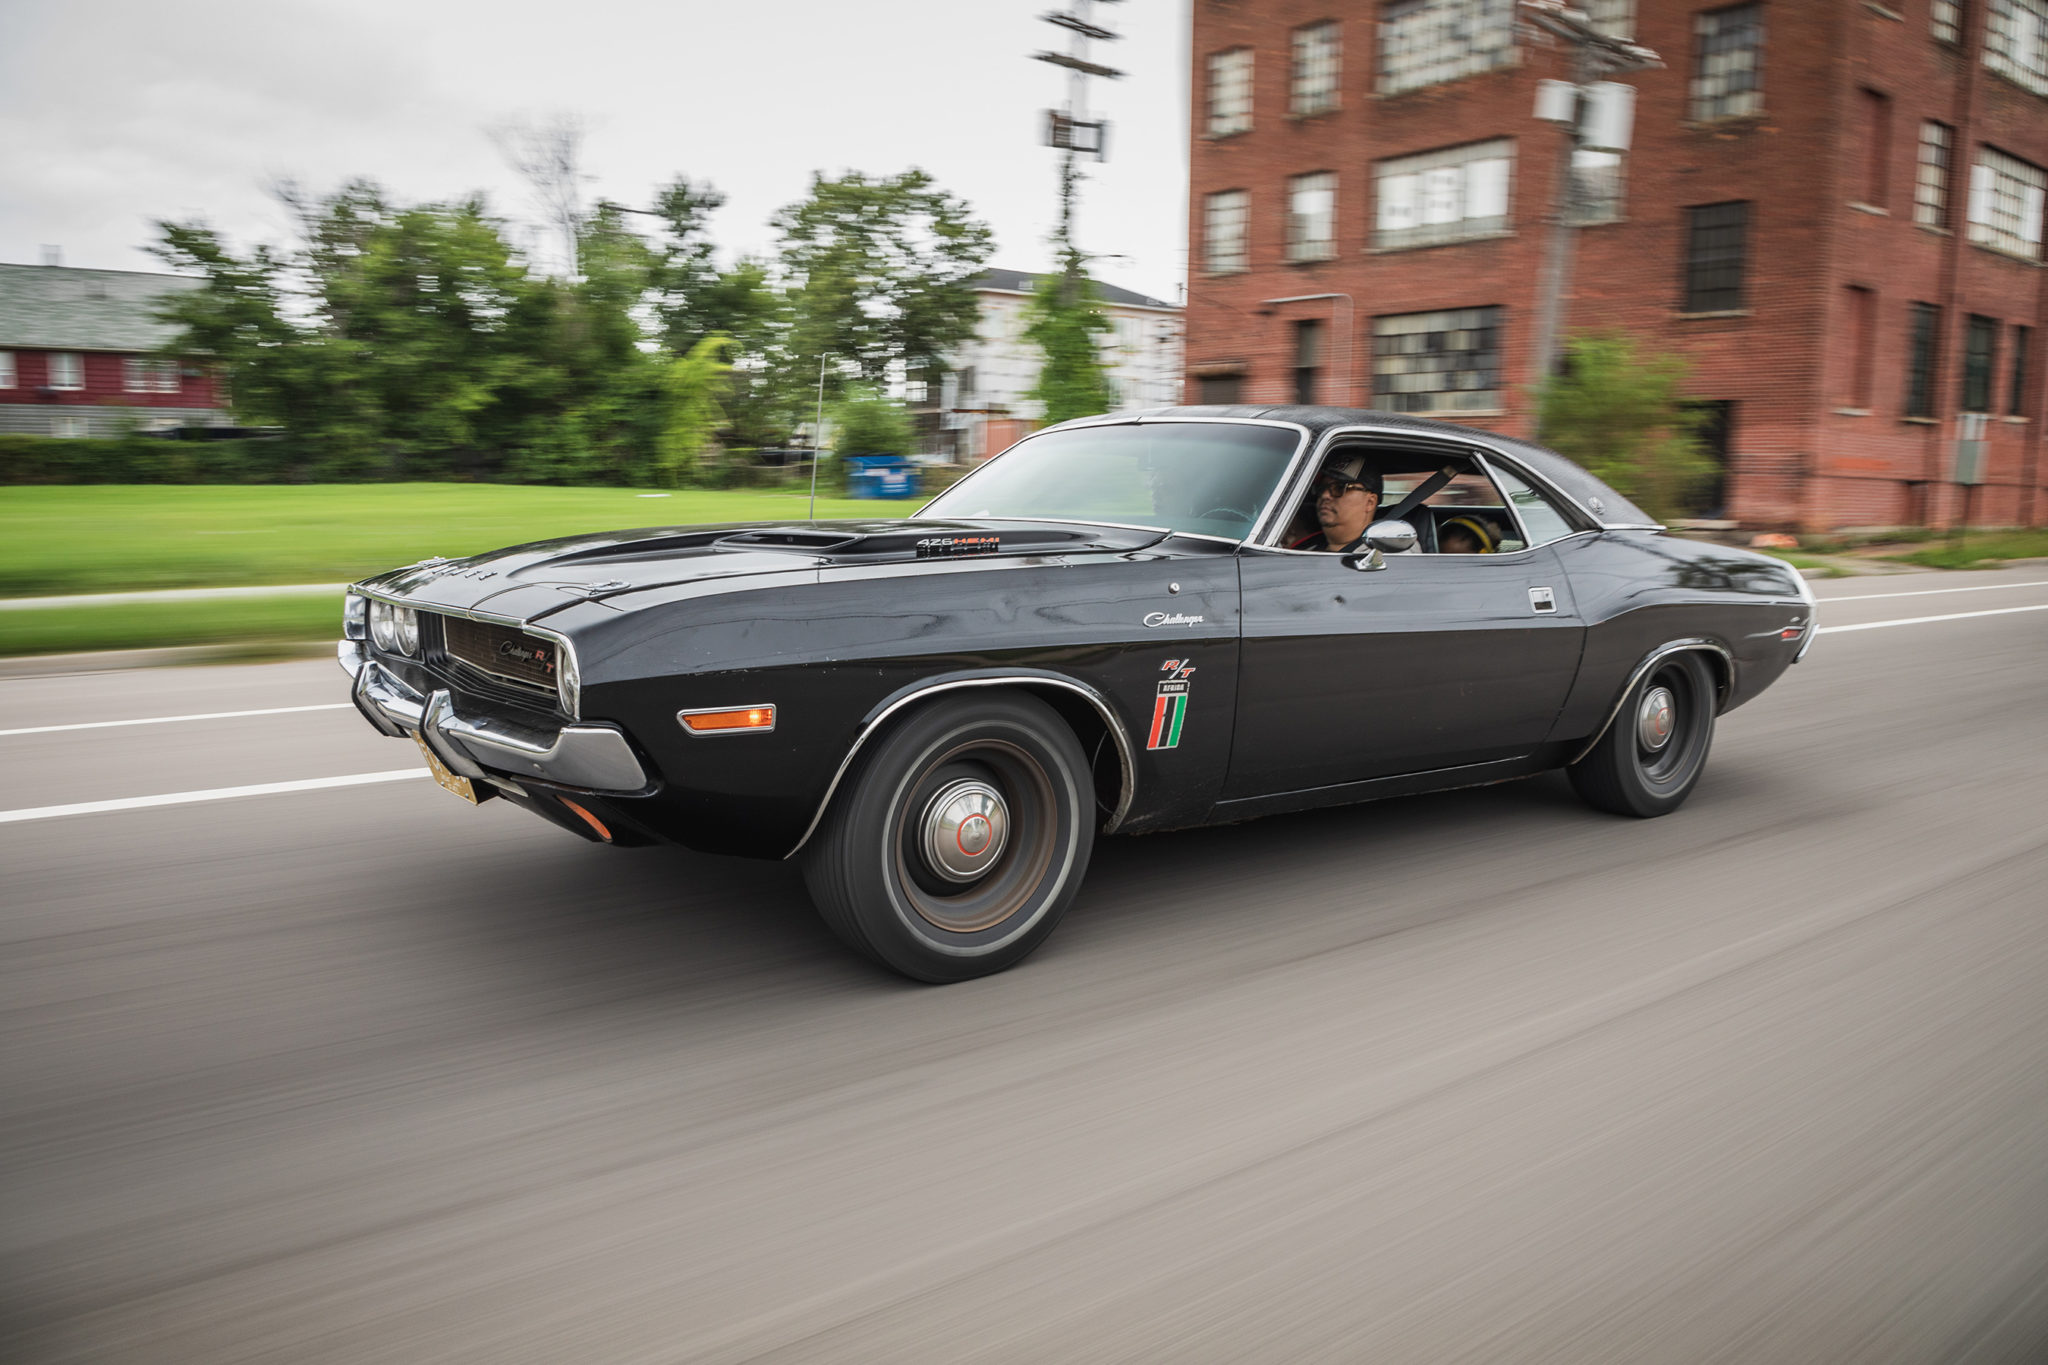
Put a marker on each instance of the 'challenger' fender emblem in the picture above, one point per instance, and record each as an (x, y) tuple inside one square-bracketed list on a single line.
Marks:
[(1173, 618)]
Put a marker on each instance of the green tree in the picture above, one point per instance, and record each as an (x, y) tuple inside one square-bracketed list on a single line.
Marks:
[(865, 423), (879, 275), (1619, 410), (692, 386), (1065, 318)]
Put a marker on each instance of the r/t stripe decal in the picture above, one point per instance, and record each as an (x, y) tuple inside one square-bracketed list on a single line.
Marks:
[(1169, 711)]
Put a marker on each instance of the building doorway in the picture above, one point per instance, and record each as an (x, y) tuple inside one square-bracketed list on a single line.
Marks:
[(1714, 429)]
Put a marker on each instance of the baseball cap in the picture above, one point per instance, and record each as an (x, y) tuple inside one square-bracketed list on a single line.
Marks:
[(1352, 468)]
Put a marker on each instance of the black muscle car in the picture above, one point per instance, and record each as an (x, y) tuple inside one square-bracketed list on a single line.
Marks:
[(1106, 630)]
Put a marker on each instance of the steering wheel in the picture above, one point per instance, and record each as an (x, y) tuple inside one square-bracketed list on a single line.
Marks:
[(1227, 514)]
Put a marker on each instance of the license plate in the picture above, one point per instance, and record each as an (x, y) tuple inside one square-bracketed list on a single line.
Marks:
[(454, 782)]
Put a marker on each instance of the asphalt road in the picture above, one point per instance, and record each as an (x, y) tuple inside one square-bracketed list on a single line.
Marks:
[(360, 1074)]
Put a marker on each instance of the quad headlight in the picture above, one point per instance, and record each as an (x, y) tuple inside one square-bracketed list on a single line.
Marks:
[(394, 629)]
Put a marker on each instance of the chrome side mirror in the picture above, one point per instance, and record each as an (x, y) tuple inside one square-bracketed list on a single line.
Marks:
[(1390, 537), (1365, 560)]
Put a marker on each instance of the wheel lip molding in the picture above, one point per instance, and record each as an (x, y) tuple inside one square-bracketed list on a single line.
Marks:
[(1651, 660), (1126, 756)]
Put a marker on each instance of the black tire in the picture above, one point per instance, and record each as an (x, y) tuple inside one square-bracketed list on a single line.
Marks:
[(1628, 772), (878, 867)]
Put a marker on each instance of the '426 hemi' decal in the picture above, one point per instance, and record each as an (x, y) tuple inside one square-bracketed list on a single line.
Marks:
[(1170, 708)]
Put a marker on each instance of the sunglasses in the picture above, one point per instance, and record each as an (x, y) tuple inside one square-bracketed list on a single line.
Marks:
[(1337, 488)]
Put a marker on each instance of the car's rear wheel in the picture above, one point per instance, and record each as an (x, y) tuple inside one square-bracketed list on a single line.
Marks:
[(1652, 755), (959, 840)]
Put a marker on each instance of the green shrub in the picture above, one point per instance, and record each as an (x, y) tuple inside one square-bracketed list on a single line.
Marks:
[(147, 459)]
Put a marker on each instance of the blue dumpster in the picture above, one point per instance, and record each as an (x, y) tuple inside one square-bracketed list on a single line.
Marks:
[(880, 476)]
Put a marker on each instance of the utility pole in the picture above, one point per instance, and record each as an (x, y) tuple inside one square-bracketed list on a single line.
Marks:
[(1598, 114), (1070, 130)]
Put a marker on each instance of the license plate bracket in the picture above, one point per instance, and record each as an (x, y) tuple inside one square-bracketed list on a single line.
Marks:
[(448, 779)]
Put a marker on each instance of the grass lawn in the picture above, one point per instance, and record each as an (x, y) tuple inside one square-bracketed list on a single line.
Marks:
[(254, 621), (125, 537), (1979, 550)]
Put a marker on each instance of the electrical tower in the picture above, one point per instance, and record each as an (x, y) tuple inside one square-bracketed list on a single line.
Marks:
[(1069, 129)]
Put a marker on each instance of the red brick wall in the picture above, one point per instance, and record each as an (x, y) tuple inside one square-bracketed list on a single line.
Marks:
[(1787, 363)]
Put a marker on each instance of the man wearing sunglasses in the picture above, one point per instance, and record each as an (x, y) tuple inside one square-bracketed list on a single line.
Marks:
[(1346, 495)]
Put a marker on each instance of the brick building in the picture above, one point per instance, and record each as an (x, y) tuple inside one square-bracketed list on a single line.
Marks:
[(82, 354), (1831, 208)]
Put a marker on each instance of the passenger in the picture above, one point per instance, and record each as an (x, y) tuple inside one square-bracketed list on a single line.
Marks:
[(1466, 536), (1346, 494)]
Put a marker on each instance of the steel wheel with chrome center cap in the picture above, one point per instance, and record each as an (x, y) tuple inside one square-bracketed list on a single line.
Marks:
[(1652, 755), (965, 827), (975, 835), (1655, 718)]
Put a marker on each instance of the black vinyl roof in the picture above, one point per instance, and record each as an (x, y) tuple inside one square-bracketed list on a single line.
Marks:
[(1606, 506)]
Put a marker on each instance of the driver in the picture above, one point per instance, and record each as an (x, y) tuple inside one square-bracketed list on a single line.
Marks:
[(1346, 494)]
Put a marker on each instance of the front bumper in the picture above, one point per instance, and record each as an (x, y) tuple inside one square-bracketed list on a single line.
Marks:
[(587, 757)]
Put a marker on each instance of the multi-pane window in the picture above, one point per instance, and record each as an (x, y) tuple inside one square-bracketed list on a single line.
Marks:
[(6, 369), (146, 374), (1980, 349), (1727, 73), (1443, 196), (1716, 244), (1930, 187), (1316, 57), (1224, 232), (1947, 19), (1312, 217), (2006, 197), (2016, 42), (1597, 186), (1612, 18), (1424, 42), (66, 370), (1230, 92), (1308, 360), (1920, 360), (1437, 362), (2016, 383)]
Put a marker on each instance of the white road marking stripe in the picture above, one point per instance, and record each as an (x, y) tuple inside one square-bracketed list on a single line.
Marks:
[(1922, 620), (8, 817), (166, 720), (1929, 592)]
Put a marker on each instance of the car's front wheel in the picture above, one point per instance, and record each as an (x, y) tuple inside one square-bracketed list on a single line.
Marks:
[(959, 840), (1652, 755)]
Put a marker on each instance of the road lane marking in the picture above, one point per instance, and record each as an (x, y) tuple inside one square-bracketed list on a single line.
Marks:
[(1923, 620), (1929, 592), (167, 720), (8, 817)]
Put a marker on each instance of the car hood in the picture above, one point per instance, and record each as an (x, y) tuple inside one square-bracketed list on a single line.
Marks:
[(530, 581)]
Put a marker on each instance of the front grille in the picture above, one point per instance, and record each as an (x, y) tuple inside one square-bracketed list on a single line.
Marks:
[(504, 656)]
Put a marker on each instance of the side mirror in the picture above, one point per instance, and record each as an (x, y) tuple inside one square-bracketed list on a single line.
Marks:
[(1390, 537)]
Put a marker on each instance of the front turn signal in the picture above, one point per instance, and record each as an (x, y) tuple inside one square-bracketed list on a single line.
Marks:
[(742, 720)]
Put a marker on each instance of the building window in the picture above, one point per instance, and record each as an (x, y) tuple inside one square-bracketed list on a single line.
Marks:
[(2016, 384), (1947, 16), (1308, 360), (1920, 361), (1424, 42), (1312, 217), (1727, 74), (1716, 243), (1230, 92), (1877, 147), (1443, 196), (1437, 362), (6, 369), (1597, 186), (2005, 203), (2016, 42), (69, 425), (1316, 61), (149, 374), (1224, 232), (1862, 347), (1612, 18), (1222, 390), (66, 371), (1930, 189), (1980, 349)]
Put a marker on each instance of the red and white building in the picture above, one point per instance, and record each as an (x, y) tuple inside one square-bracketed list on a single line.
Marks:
[(82, 353)]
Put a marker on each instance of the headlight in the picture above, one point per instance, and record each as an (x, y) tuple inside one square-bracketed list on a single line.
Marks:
[(568, 681), (408, 623), (383, 627), (355, 617)]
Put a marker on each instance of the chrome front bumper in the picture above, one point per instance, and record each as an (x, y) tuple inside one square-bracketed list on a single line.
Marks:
[(590, 757)]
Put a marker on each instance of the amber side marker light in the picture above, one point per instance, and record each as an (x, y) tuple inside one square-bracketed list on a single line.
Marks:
[(741, 721), (588, 819)]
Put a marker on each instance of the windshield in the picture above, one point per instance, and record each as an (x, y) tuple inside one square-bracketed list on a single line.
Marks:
[(1212, 478)]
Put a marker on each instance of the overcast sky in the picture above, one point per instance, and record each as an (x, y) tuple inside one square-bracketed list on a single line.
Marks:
[(117, 113)]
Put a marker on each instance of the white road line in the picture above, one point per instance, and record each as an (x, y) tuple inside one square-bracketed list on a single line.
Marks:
[(1929, 592), (167, 720), (1922, 620), (8, 817)]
